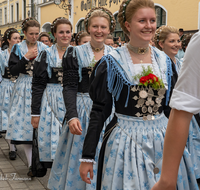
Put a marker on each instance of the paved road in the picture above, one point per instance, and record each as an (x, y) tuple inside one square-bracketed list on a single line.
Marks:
[(13, 172)]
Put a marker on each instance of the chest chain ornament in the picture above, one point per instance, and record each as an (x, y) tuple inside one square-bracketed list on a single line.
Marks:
[(59, 74), (12, 78), (29, 67), (91, 66), (147, 99)]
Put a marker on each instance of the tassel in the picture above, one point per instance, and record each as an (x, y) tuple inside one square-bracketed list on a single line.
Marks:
[(116, 78), (169, 75)]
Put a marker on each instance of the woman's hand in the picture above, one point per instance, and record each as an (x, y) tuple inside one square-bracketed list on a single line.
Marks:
[(31, 53), (163, 186), (75, 127), (35, 121), (84, 168)]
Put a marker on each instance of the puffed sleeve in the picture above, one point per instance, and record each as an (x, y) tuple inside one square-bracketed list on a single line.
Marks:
[(70, 82), (101, 110), (16, 65), (39, 82), (186, 94)]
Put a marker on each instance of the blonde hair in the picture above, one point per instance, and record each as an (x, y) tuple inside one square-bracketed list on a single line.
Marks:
[(100, 12), (162, 34), (130, 9)]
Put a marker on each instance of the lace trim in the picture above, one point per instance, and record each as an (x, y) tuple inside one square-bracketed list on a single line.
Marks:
[(154, 64), (87, 160)]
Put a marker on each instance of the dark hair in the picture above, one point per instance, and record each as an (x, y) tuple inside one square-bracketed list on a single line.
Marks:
[(42, 34), (79, 36), (181, 30), (7, 35), (58, 21), (29, 22), (186, 40)]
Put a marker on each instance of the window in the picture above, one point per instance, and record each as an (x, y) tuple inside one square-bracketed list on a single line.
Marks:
[(5, 15), (118, 30), (160, 16), (81, 26), (0, 16), (11, 14), (24, 8), (17, 11)]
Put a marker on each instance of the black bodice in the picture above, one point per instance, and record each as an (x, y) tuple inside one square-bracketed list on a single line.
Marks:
[(7, 75), (143, 102), (83, 86), (57, 76)]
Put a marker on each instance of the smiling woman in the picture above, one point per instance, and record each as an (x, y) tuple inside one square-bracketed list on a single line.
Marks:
[(78, 63), (48, 108), (131, 153)]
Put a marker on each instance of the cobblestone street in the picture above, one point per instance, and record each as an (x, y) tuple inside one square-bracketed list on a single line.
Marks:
[(13, 172)]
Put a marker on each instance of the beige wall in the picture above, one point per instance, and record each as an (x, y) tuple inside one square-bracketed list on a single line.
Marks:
[(180, 13), (50, 12)]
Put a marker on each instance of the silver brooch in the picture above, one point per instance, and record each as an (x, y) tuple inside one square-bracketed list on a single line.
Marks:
[(149, 106)]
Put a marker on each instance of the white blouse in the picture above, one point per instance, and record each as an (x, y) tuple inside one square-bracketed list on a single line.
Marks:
[(186, 94)]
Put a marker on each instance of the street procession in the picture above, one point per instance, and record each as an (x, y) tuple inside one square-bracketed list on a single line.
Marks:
[(99, 95)]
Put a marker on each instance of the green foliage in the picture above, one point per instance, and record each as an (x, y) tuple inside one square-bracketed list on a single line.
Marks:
[(93, 63), (151, 82)]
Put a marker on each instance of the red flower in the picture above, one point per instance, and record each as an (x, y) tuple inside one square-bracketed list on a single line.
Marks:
[(143, 79), (153, 77)]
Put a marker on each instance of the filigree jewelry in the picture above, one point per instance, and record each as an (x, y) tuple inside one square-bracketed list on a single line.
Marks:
[(97, 49), (138, 50), (59, 74), (29, 67), (62, 48), (149, 107)]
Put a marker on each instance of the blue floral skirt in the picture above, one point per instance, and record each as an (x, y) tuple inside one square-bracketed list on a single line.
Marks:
[(193, 145), (134, 146), (51, 118), (6, 88), (19, 124), (65, 170)]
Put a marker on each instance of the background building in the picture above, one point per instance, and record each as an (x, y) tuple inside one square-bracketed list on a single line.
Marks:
[(179, 13)]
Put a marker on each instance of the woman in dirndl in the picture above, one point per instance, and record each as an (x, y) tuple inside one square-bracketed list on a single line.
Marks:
[(140, 78), (11, 37), (185, 102), (48, 108), (22, 58), (82, 38), (78, 63), (167, 39)]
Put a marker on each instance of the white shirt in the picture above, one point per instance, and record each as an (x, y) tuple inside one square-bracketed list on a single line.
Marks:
[(186, 94)]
